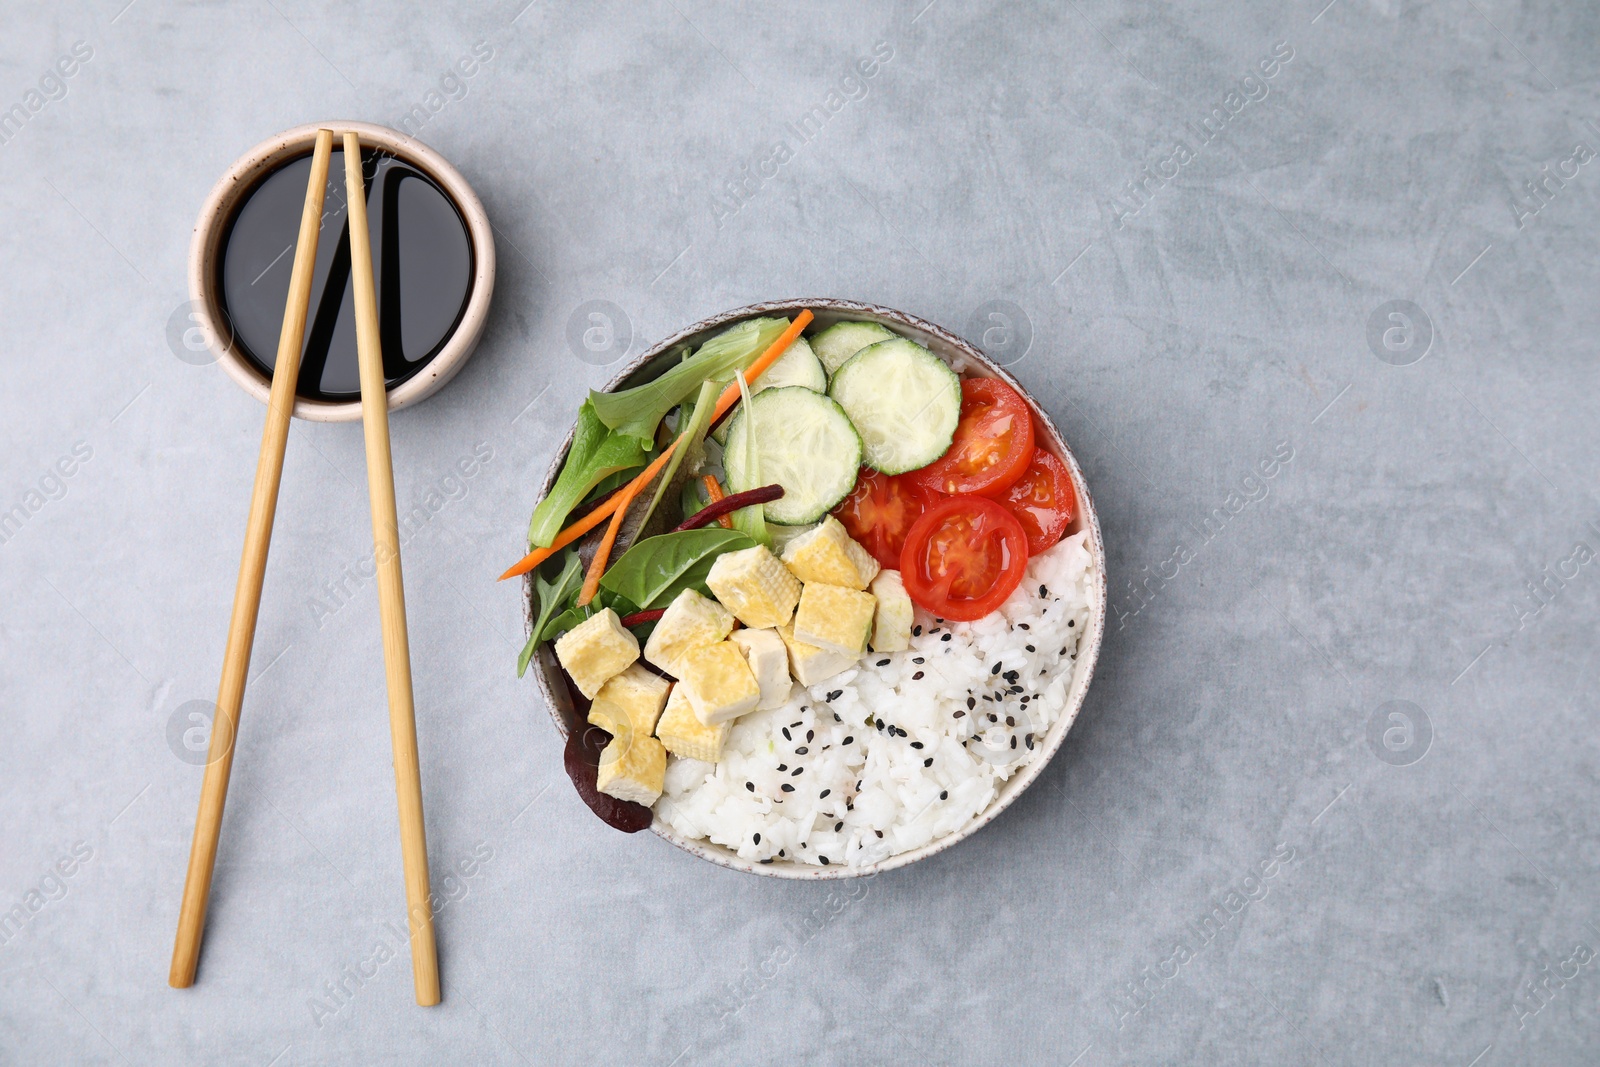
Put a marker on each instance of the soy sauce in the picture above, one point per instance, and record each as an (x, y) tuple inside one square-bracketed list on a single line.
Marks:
[(421, 254)]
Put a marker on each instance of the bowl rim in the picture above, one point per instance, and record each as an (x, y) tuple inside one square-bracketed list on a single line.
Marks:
[(1088, 644), (205, 242)]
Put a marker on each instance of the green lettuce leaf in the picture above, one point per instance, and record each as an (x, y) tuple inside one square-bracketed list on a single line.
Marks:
[(638, 411)]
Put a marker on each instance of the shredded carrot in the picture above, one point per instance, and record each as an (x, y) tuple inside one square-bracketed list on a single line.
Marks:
[(620, 500), (597, 566), (714, 493)]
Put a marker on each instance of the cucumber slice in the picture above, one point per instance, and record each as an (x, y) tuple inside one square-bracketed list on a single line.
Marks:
[(797, 366), (835, 345), (903, 401), (804, 442)]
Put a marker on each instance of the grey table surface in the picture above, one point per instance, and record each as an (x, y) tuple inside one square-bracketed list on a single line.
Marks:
[(1332, 796)]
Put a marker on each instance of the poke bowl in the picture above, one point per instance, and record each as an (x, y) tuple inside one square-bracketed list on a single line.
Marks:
[(922, 700)]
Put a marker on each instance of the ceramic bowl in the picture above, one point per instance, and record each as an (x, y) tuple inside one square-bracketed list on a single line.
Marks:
[(209, 230), (967, 360)]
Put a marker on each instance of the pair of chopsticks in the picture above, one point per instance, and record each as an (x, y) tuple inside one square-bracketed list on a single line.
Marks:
[(391, 594)]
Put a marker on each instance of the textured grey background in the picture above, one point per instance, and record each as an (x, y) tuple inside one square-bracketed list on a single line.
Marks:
[(1177, 345)]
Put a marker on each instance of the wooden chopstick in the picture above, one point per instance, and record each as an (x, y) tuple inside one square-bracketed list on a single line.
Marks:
[(391, 592), (252, 567)]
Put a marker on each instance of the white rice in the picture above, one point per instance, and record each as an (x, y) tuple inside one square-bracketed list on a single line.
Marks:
[(904, 749)]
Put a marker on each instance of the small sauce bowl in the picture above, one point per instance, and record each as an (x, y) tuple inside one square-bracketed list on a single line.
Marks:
[(235, 187)]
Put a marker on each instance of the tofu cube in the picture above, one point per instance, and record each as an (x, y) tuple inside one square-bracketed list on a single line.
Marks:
[(756, 586), (810, 664), (891, 623), (827, 554), (632, 767), (835, 618), (630, 701), (596, 651), (719, 683), (691, 621), (684, 735), (769, 662)]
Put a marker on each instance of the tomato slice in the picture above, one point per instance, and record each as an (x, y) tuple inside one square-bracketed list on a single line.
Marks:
[(879, 512), (992, 446), (963, 557), (1043, 500)]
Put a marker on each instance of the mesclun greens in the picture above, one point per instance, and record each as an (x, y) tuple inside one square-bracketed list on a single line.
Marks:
[(552, 595), (657, 569), (694, 425), (638, 411), (596, 454)]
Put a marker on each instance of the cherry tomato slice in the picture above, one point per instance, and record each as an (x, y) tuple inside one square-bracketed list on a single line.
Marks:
[(879, 512), (963, 557), (992, 446), (1043, 500)]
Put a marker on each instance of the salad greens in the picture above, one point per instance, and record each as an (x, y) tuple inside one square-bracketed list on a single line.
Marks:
[(551, 596), (597, 453), (638, 411), (657, 569), (751, 521), (694, 424)]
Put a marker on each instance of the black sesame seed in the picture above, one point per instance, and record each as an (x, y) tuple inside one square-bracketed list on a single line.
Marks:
[(811, 735), (798, 771), (928, 762), (916, 744), (878, 832), (1023, 626), (1072, 623), (918, 659), (917, 630), (917, 677), (883, 663), (1044, 590), (750, 786), (946, 637), (767, 860), (781, 852), (835, 695), (838, 826), (1010, 676), (783, 766), (1013, 742), (786, 736), (996, 669), (993, 717), (1018, 688), (944, 794), (836, 717), (1063, 651), (786, 787), (824, 793), (1030, 648), (960, 715), (1010, 721), (824, 860), (971, 703), (757, 839), (880, 726), (796, 725), (801, 751), (848, 740), (1028, 741)]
